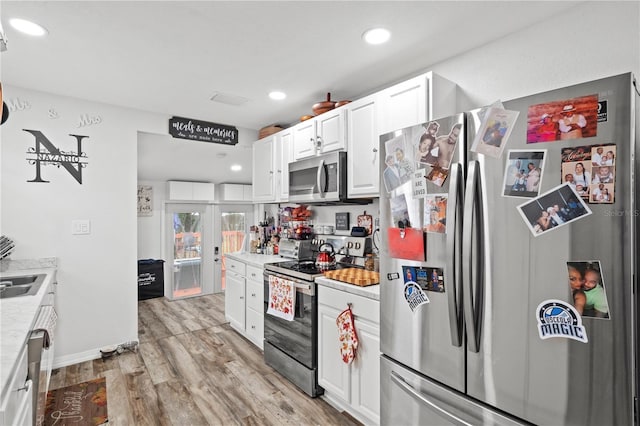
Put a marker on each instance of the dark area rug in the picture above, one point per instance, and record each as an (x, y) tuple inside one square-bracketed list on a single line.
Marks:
[(81, 404)]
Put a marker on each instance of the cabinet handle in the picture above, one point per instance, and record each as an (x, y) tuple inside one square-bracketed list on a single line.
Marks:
[(375, 149), (241, 297), (26, 387), (319, 142), (270, 172), (253, 326), (253, 295)]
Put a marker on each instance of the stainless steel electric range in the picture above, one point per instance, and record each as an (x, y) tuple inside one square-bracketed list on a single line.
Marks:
[(291, 347)]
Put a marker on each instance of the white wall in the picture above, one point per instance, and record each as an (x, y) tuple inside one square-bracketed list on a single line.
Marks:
[(97, 273), (597, 40), (150, 227)]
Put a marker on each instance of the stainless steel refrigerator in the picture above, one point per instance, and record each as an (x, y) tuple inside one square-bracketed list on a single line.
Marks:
[(509, 335)]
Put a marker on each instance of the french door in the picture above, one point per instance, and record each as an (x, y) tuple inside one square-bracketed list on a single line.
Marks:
[(189, 231), (231, 235)]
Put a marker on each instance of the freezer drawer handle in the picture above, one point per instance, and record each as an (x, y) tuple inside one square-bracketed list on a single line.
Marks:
[(397, 379), (454, 244)]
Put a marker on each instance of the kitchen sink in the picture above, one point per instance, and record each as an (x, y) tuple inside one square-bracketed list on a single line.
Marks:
[(24, 285)]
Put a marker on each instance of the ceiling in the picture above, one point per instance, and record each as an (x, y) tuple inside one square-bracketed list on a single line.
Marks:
[(171, 57)]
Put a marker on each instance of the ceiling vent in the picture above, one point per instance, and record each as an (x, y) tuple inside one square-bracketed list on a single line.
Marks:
[(225, 98)]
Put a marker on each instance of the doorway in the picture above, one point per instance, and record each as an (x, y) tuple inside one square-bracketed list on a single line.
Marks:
[(189, 231), (232, 234)]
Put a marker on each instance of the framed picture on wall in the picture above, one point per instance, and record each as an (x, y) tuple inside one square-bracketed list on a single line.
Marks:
[(145, 200)]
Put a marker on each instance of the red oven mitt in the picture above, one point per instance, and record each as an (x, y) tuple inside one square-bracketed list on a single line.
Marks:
[(347, 336)]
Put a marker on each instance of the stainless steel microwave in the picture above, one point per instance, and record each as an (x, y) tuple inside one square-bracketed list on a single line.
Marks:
[(320, 179)]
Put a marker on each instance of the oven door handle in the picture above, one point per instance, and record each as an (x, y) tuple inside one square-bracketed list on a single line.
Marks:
[(304, 286)]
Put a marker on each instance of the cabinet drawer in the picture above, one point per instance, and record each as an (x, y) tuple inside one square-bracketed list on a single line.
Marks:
[(255, 326), (254, 274), (255, 296), (235, 266), (360, 306)]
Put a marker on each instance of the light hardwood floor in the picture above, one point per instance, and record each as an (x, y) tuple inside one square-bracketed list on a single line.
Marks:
[(191, 368)]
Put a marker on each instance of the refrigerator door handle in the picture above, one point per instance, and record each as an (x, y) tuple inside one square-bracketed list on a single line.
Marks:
[(472, 257), (397, 379), (454, 243)]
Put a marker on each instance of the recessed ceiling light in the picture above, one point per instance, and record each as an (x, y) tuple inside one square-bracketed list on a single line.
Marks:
[(27, 27), (277, 96), (376, 36), (236, 167)]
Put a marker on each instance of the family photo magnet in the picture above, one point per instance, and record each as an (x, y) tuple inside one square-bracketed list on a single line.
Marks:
[(559, 319)]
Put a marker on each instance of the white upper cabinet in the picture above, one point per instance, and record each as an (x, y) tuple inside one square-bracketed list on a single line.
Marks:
[(263, 171), (324, 133), (284, 140), (191, 191), (416, 101), (271, 158), (363, 158), (233, 192)]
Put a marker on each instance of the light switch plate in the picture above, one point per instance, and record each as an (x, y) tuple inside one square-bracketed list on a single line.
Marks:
[(81, 227)]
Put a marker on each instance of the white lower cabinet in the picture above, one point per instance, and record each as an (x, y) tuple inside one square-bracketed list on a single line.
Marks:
[(234, 299), (354, 387), (244, 300), (255, 306), (16, 405)]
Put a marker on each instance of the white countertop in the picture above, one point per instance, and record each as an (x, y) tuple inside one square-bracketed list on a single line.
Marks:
[(17, 316), (370, 291), (257, 260)]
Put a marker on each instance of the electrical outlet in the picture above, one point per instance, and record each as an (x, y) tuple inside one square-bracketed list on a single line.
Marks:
[(81, 227)]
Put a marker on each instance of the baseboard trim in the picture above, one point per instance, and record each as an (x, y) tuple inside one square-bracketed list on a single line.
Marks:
[(76, 358)]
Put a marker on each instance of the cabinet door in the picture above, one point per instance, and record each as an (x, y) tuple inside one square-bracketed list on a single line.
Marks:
[(285, 157), (333, 373), (363, 159), (231, 192), (330, 131), (255, 327), (404, 104), (304, 139), (263, 175), (180, 190), (204, 191), (234, 300), (365, 379)]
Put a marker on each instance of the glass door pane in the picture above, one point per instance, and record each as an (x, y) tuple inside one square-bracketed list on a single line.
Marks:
[(233, 233), (188, 224), (233, 236)]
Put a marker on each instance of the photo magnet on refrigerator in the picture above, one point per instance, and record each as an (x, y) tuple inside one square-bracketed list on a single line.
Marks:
[(559, 319)]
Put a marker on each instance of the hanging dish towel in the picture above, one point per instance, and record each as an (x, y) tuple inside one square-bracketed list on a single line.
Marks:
[(46, 321), (347, 335), (282, 298)]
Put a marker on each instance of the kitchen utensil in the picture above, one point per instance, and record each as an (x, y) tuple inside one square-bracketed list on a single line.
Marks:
[(366, 221), (325, 259), (325, 106)]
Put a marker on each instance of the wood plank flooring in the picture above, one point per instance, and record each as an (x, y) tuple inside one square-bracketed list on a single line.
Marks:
[(191, 368)]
